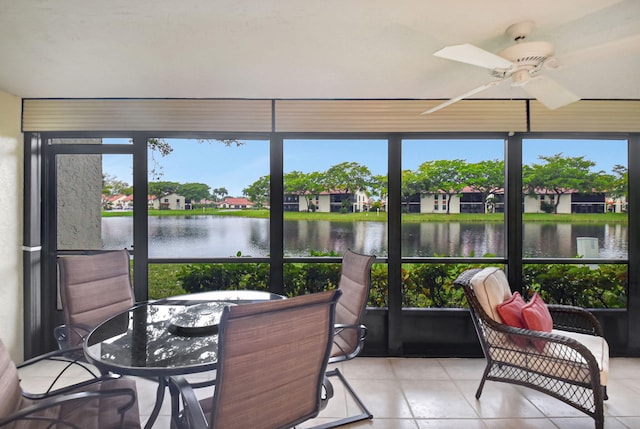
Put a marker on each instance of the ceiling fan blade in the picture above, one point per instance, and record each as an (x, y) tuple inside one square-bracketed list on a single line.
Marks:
[(549, 92), (470, 54), (460, 97)]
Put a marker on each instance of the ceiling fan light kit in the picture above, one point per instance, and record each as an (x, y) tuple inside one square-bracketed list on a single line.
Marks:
[(519, 63)]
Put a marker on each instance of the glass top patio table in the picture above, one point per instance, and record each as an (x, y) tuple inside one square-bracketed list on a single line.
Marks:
[(141, 341), (144, 340)]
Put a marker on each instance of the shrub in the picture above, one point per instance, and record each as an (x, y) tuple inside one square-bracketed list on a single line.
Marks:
[(423, 285)]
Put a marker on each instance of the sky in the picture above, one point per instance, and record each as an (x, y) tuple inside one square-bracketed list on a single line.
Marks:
[(236, 167)]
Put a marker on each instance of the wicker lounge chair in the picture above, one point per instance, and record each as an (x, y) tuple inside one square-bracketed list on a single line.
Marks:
[(272, 358), (570, 363)]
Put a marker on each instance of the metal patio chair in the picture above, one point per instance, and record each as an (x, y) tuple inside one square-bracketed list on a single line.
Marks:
[(104, 402), (272, 358), (349, 332), (92, 289)]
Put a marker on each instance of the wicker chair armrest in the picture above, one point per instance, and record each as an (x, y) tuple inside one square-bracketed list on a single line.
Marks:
[(192, 416), (574, 319), (57, 400)]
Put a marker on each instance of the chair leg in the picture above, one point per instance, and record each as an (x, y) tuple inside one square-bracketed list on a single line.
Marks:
[(484, 378), (365, 413)]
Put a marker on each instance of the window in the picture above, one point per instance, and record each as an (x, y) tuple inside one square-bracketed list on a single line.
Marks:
[(434, 175), (335, 197), (581, 186), (205, 185)]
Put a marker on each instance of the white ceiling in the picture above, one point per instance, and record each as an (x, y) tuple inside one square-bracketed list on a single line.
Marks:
[(304, 48)]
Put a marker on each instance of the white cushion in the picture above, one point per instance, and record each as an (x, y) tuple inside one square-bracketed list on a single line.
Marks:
[(598, 347), (559, 360), (491, 288)]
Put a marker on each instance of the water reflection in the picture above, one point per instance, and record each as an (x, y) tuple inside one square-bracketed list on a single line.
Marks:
[(214, 236)]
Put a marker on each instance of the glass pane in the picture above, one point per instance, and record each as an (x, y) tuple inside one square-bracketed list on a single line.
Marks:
[(587, 286), (431, 285), (335, 197), (453, 198), (574, 198), (208, 198), (94, 202)]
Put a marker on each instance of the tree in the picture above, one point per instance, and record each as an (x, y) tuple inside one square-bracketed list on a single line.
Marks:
[(379, 187), (412, 183), (347, 178), (486, 177), (305, 185), (620, 181), (258, 191), (193, 191), (113, 186), (219, 192), (448, 176), (158, 189), (562, 175)]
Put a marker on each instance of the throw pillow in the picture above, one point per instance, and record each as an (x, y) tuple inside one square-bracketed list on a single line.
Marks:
[(536, 317), (510, 312)]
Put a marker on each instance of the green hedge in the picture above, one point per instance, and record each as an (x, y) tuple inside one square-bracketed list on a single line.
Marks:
[(424, 285)]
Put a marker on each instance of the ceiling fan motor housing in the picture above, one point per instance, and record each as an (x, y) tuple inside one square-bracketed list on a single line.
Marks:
[(528, 55)]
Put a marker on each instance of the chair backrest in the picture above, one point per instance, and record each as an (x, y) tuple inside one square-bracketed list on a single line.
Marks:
[(355, 283), (10, 392), (92, 289), (272, 357)]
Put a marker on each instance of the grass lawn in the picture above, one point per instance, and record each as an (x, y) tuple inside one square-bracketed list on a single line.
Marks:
[(382, 216), (163, 280)]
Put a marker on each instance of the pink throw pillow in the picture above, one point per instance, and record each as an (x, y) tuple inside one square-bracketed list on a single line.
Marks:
[(510, 312), (536, 317)]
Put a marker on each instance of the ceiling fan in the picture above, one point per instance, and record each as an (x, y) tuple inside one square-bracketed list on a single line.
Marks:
[(521, 63)]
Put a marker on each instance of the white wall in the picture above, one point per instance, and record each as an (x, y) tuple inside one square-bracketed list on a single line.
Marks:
[(11, 204)]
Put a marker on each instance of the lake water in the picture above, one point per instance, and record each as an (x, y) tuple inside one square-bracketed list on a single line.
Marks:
[(219, 236)]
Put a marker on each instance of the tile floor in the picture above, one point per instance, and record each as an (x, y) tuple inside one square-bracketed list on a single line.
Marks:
[(429, 393)]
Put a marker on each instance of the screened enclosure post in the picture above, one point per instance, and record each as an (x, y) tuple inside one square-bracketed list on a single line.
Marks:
[(394, 314), (633, 207), (140, 220), (513, 210), (31, 248), (276, 216)]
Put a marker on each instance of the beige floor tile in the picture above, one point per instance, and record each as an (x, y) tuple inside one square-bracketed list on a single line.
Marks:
[(585, 422), (624, 398), (549, 406), (451, 424), (627, 422), (436, 399), (376, 423), (624, 368), (498, 400), (540, 423), (368, 368), (418, 369), (383, 399), (464, 369)]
